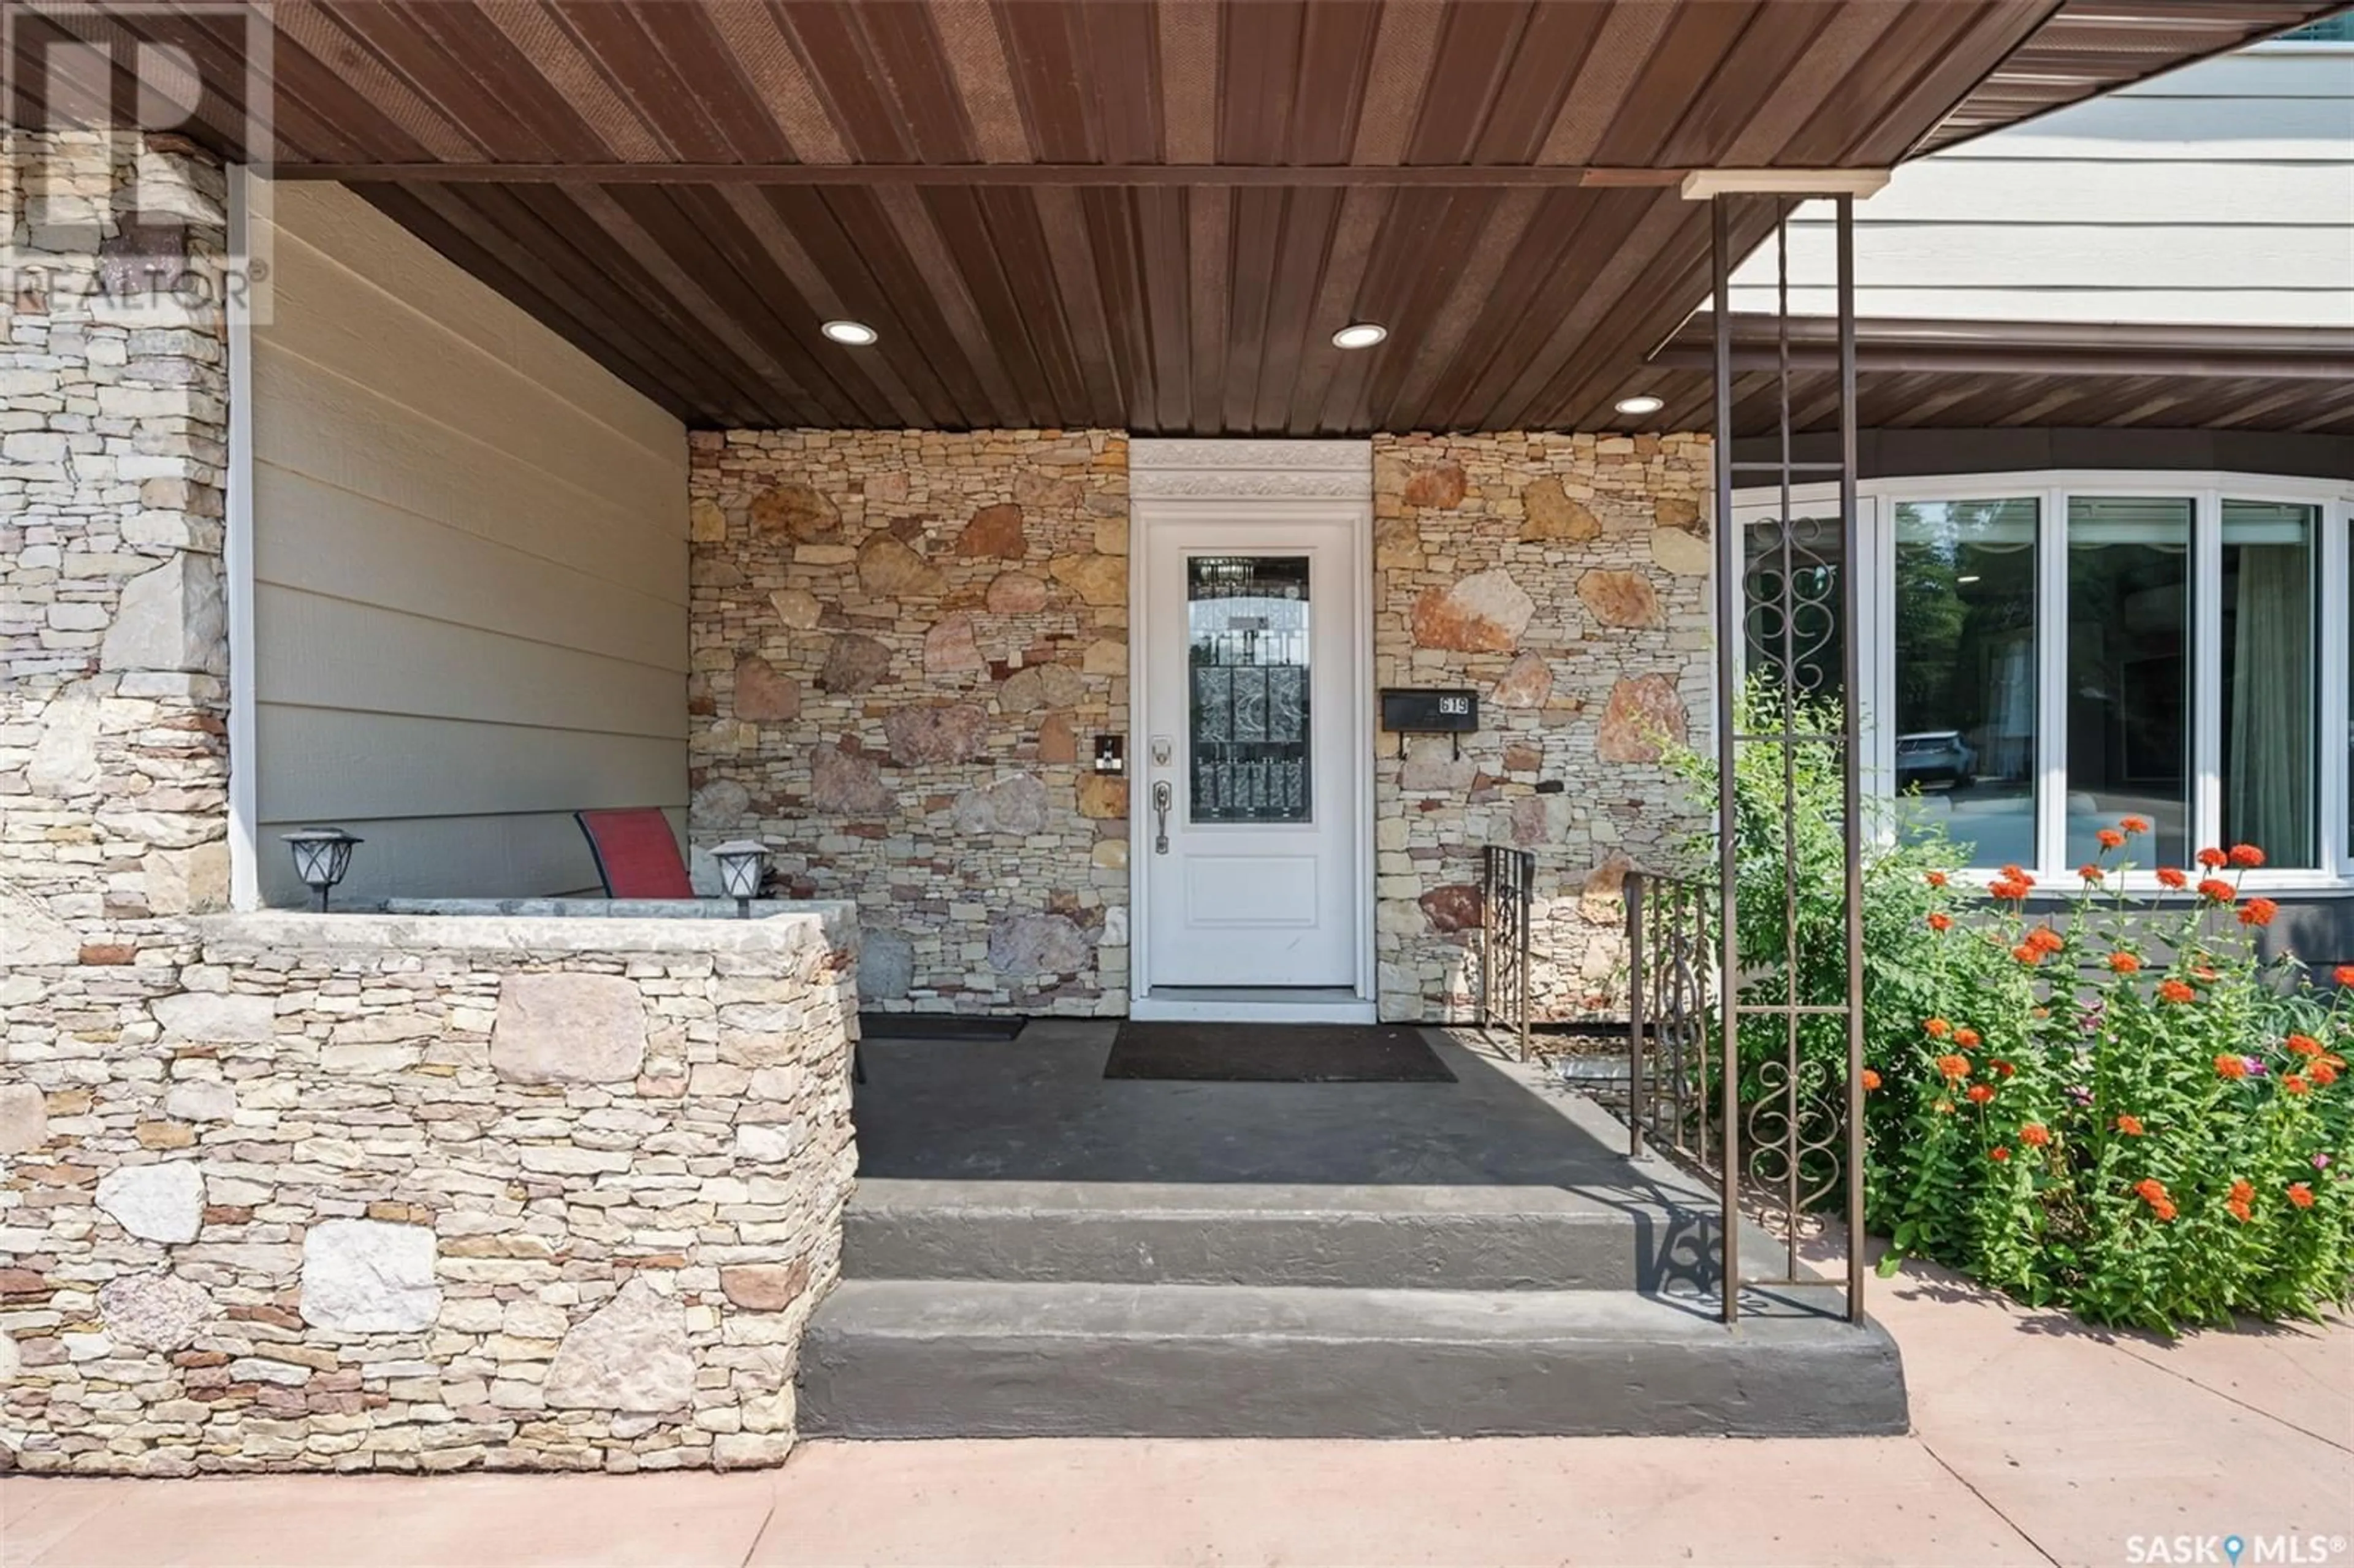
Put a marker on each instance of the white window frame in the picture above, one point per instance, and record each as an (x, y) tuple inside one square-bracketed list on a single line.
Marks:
[(2051, 488)]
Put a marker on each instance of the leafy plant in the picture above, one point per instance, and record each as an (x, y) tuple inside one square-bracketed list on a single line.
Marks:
[(2111, 1104)]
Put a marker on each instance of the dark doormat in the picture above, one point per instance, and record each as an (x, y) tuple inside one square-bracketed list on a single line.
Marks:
[(936, 1026), (1276, 1053)]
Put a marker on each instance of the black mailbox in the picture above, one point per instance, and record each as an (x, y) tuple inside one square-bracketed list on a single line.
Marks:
[(1418, 712)]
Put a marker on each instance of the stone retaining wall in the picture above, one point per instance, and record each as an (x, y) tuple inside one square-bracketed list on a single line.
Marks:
[(905, 644), (1565, 578), (384, 1192)]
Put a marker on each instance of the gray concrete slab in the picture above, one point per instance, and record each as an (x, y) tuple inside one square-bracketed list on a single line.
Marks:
[(942, 1359)]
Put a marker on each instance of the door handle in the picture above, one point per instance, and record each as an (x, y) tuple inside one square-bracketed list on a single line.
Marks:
[(1161, 795)]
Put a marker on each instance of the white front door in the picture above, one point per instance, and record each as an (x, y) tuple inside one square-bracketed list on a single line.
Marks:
[(1249, 820)]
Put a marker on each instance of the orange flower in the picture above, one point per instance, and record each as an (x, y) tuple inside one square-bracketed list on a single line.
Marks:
[(2217, 890), (2153, 1192), (2213, 858), (2243, 1189), (2324, 1072), (2229, 1066), (2130, 1126), (2294, 1085), (1955, 1068), (1870, 1080), (1980, 1092), (2258, 912), (2012, 874), (1940, 922), (2343, 974), (2164, 1209), (2170, 877), (1998, 1153), (2031, 957), (2247, 856), (1938, 1027), (2303, 1045), (2002, 1067), (2125, 963), (1967, 1038), (2007, 890), (2134, 825), (2176, 991), (2035, 1135), (2300, 1194), (2110, 839), (2044, 938), (2089, 871), (1936, 879), (2238, 1209)]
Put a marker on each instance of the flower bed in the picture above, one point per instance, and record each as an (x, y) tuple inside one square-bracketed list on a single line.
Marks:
[(2117, 1106)]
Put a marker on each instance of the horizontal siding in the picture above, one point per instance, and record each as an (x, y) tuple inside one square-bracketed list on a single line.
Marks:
[(2222, 195), (470, 571)]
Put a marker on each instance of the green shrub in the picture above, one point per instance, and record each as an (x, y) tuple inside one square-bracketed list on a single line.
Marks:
[(2113, 1106)]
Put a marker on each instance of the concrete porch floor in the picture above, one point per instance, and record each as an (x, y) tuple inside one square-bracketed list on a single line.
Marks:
[(2035, 1441)]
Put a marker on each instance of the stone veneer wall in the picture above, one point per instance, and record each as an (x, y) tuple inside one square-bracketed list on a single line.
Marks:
[(390, 1192), (1565, 578), (905, 643)]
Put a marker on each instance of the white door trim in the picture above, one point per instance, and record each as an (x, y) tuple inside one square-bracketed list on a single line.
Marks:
[(1216, 484)]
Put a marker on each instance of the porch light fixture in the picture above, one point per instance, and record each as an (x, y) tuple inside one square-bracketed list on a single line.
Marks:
[(853, 334), (1641, 404), (322, 855), (741, 862), (1360, 334)]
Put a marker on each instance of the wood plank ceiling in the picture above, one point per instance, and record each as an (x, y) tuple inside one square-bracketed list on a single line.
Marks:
[(1150, 214)]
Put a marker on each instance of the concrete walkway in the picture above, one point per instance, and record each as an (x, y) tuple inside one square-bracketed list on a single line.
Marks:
[(2035, 1441)]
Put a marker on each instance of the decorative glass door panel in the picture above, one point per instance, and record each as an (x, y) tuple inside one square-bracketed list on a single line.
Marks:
[(1249, 663)]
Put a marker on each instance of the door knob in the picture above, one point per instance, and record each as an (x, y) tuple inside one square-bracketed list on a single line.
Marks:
[(1162, 795)]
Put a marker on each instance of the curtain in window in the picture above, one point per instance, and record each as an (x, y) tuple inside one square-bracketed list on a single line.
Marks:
[(2268, 671)]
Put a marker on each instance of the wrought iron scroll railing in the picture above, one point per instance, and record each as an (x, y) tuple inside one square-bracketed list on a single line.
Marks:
[(1671, 1065), (1507, 904)]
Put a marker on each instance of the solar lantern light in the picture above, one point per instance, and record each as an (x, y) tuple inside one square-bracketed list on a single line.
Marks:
[(741, 865), (322, 855)]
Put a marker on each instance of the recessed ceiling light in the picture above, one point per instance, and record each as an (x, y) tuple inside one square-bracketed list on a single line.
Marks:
[(857, 334), (1360, 334), (1645, 404)]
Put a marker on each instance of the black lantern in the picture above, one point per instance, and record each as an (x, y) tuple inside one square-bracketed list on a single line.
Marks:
[(322, 855), (741, 862)]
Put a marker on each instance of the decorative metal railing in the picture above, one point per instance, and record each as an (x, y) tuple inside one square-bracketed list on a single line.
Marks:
[(1672, 1068), (1507, 905)]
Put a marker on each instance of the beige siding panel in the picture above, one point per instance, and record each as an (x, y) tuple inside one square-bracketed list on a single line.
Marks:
[(470, 563), (330, 765), (338, 654), (447, 857), (337, 431), (329, 222), (334, 322), (383, 556), (2218, 196)]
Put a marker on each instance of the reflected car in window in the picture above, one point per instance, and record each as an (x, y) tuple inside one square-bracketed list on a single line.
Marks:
[(1935, 757)]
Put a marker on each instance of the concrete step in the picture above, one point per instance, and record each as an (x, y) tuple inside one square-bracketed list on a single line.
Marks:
[(904, 1359), (1631, 1236)]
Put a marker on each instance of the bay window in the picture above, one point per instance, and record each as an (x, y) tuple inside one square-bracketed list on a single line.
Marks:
[(2042, 654)]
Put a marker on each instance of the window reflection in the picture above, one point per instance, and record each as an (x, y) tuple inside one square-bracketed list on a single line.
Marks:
[(2128, 671), (2268, 650), (1965, 684)]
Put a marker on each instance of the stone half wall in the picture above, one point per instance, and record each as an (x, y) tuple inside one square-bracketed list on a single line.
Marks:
[(905, 644), (418, 1193), (1565, 578)]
